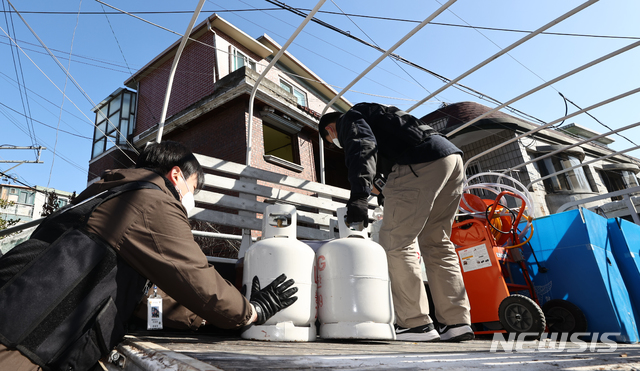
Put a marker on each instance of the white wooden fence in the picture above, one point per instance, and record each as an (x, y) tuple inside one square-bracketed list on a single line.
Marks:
[(246, 191)]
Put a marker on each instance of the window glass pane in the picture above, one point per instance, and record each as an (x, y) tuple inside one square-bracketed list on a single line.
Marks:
[(110, 142), (237, 59), (576, 177), (102, 129), (22, 197), (552, 183), (133, 103), (301, 97), (102, 113), (124, 129), (133, 124), (114, 122), (629, 179), (285, 86), (115, 104), (98, 147), (126, 102), (277, 143)]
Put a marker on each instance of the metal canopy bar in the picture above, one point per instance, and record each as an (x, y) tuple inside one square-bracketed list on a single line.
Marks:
[(601, 59), (550, 124), (20, 227), (222, 236), (506, 50), (573, 145), (389, 51), (264, 73), (582, 164), (377, 61), (624, 193), (174, 65)]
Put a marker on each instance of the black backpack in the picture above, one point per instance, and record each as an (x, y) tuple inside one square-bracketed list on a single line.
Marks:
[(65, 295)]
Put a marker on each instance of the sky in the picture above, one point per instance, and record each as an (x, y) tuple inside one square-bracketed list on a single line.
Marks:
[(101, 48)]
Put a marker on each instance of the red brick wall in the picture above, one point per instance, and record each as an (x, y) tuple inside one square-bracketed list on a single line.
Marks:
[(220, 133), (112, 160), (193, 80)]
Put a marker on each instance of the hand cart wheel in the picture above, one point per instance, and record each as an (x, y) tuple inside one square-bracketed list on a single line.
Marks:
[(564, 317), (518, 314)]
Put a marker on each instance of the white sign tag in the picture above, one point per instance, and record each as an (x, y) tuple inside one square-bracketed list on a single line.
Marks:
[(154, 312), (473, 258)]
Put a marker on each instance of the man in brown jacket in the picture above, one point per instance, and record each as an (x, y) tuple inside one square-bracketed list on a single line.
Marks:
[(149, 229)]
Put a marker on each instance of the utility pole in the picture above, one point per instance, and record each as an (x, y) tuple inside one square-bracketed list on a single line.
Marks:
[(37, 161)]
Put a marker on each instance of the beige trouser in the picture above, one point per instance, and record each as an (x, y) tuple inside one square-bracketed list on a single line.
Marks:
[(424, 206), (14, 360)]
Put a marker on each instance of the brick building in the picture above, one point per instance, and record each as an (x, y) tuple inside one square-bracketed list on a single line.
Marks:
[(599, 177), (209, 105)]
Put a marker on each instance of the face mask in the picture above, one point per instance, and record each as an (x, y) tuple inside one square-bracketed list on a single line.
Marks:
[(187, 200), (336, 142)]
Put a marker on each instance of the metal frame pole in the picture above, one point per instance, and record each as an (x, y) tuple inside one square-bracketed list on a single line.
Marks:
[(377, 61), (174, 66), (264, 73), (506, 50)]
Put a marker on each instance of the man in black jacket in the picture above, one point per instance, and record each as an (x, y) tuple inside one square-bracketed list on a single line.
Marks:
[(424, 175)]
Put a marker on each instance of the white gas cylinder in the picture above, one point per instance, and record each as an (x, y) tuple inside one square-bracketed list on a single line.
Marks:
[(354, 291), (280, 252)]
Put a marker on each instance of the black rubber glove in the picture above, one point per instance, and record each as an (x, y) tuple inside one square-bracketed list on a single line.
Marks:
[(380, 199), (273, 298), (358, 211)]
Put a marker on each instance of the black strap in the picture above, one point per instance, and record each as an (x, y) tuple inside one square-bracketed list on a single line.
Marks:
[(116, 191)]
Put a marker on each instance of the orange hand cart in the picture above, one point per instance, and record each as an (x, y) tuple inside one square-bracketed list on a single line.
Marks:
[(489, 250)]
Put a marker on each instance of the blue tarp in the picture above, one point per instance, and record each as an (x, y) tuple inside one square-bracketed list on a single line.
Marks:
[(575, 248)]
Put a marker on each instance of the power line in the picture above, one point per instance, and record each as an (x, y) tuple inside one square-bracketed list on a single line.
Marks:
[(47, 125), (66, 79), (70, 162), (73, 59), (15, 179), (323, 56), (457, 85), (570, 34), (75, 83), (22, 42), (134, 12), (53, 104), (54, 84), (18, 66), (598, 121), (394, 60), (115, 37)]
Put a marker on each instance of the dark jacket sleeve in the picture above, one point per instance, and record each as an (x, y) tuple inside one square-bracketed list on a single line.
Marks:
[(360, 152)]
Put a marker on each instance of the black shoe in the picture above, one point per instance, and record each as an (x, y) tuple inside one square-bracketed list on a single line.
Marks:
[(421, 333), (459, 332)]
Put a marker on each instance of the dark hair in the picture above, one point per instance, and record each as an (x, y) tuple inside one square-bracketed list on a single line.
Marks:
[(162, 157), (325, 120)]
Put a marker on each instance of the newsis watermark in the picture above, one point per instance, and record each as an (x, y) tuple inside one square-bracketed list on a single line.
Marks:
[(579, 342)]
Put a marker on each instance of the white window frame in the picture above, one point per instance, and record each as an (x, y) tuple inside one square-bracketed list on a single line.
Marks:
[(569, 181), (234, 54), (293, 90)]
